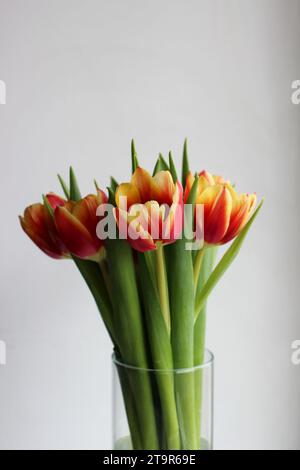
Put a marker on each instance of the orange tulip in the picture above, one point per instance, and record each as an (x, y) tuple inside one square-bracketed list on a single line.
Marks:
[(76, 225), (38, 224), (225, 211), (152, 211)]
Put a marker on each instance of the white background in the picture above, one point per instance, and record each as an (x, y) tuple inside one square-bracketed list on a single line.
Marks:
[(82, 78)]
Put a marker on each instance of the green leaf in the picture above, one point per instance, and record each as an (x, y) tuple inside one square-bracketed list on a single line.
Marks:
[(164, 165), (134, 160), (48, 205), (224, 263), (193, 192), (162, 284), (126, 302), (157, 332), (185, 163), (131, 335), (199, 329), (172, 168), (74, 188), (181, 293), (113, 183), (199, 334), (161, 354), (157, 167), (111, 196), (64, 187), (96, 184)]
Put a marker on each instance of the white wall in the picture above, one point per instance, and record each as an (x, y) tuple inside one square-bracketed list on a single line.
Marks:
[(82, 78)]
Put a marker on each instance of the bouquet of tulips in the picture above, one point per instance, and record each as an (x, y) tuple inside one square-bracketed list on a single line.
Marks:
[(147, 251)]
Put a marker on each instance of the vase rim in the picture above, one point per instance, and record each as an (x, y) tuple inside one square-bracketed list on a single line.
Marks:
[(208, 362)]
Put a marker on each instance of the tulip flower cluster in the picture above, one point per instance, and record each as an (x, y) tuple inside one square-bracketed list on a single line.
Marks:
[(144, 279)]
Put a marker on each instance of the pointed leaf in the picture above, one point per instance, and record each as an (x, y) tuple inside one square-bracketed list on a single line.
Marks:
[(48, 205), (134, 160), (111, 196), (158, 167), (156, 327), (96, 184), (181, 293), (163, 162), (64, 187), (74, 188), (172, 168), (185, 164), (193, 192), (126, 302), (113, 183)]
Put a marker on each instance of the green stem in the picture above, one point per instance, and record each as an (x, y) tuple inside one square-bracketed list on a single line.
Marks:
[(130, 406), (197, 266), (199, 339), (207, 263), (131, 337), (165, 383), (105, 274), (159, 341), (162, 284), (182, 339)]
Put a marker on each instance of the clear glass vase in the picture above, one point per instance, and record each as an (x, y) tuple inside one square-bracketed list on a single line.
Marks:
[(157, 409)]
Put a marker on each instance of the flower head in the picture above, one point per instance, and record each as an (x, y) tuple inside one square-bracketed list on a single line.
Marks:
[(38, 224), (225, 211), (76, 225), (149, 209)]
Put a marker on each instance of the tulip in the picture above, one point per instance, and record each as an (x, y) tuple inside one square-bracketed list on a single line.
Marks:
[(225, 211), (38, 224), (76, 225), (152, 213)]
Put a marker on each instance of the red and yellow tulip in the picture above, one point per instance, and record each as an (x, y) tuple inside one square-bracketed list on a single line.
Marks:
[(76, 225), (38, 224), (225, 211), (152, 210)]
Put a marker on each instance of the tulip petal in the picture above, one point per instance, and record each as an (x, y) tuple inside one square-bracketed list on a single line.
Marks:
[(138, 214), (216, 221), (207, 177), (188, 185), (101, 197), (144, 243), (143, 182), (209, 197), (74, 234), (131, 192), (142, 240), (172, 224), (85, 211), (55, 200), (155, 217), (38, 225), (38, 241), (163, 187), (219, 179), (152, 205), (241, 217)]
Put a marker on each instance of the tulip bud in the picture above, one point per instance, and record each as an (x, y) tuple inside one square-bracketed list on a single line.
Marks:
[(38, 224), (76, 224), (225, 211)]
